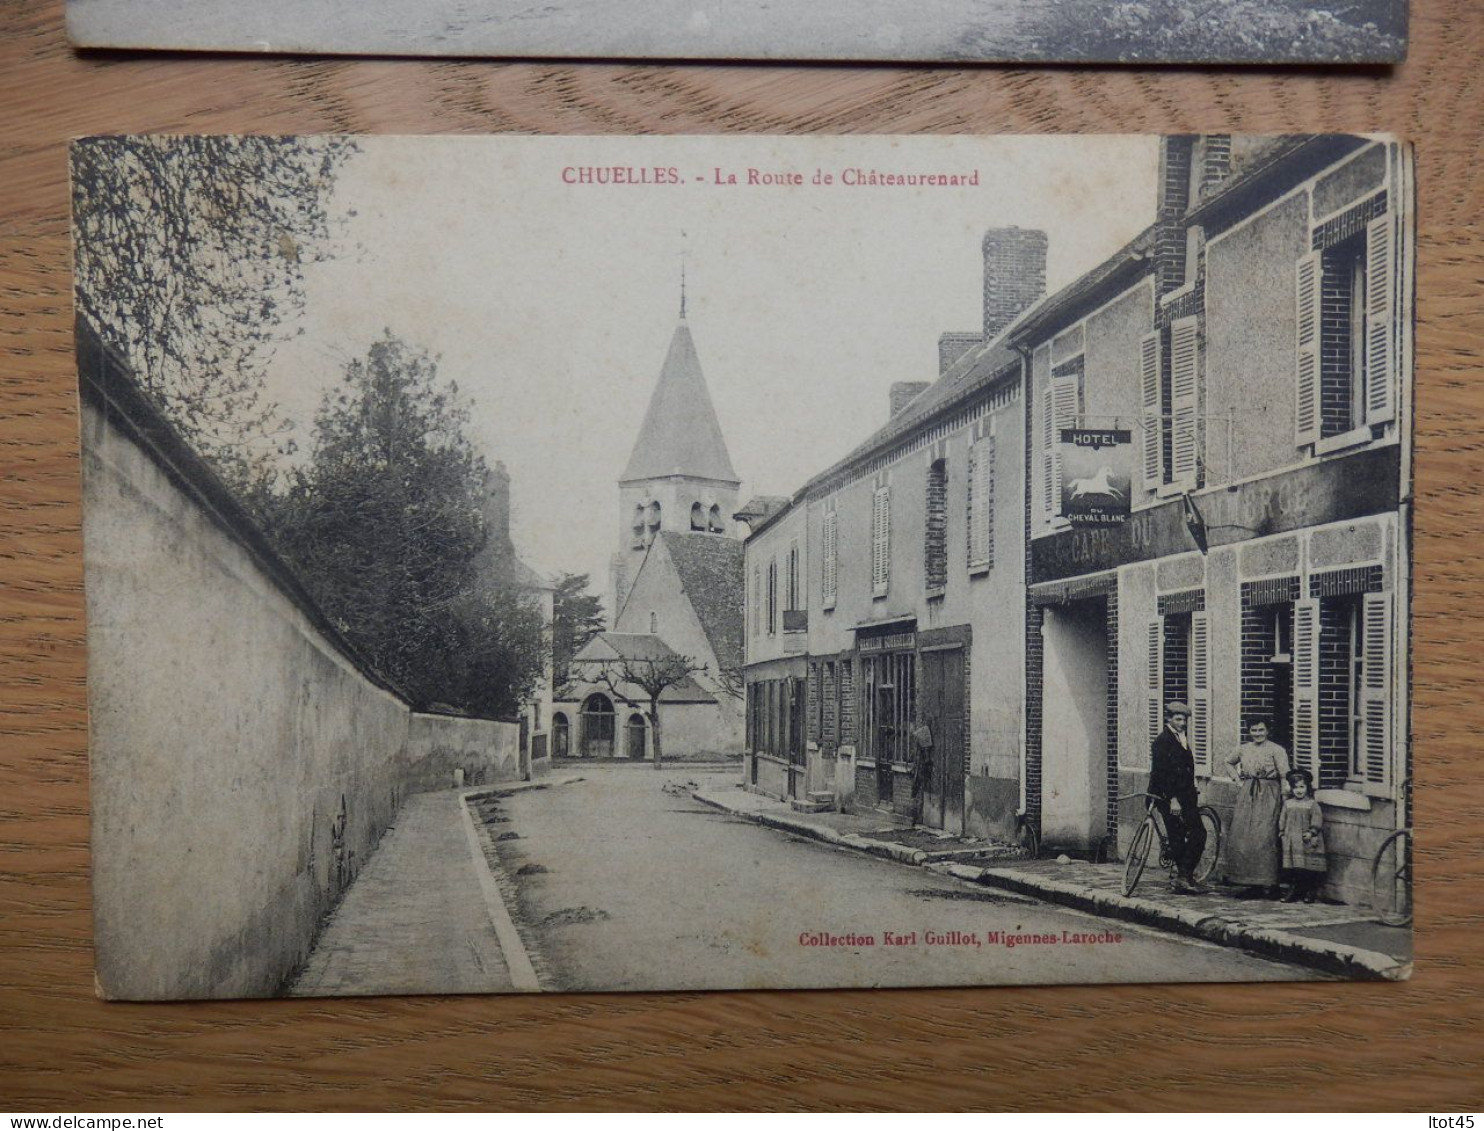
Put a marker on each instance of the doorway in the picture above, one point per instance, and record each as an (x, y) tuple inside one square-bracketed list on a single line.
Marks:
[(1074, 729), (942, 712), (597, 726)]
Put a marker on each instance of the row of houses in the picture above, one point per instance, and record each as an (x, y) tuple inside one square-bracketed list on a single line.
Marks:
[(937, 625)]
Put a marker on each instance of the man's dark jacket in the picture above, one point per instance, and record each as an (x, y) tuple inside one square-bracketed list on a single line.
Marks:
[(1171, 767)]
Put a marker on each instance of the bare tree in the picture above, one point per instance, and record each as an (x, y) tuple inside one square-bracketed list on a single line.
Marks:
[(653, 677)]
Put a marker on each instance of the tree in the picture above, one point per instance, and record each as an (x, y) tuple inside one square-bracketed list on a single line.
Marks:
[(577, 616), (653, 676), (190, 256), (385, 524)]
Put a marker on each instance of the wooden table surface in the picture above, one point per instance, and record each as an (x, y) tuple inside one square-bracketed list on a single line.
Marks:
[(1413, 1046)]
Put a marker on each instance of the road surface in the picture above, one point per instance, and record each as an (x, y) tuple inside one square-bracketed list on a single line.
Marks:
[(623, 882)]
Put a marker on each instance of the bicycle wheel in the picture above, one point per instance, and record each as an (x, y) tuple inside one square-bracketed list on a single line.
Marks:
[(1138, 856), (1391, 880), (1212, 852)]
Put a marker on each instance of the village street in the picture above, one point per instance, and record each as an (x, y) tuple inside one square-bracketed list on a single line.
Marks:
[(622, 880)]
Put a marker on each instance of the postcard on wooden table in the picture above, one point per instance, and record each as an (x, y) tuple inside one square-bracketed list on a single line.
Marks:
[(620, 563), (1122, 31)]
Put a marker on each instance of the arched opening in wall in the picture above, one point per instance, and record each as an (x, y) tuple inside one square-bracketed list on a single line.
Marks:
[(561, 735), (716, 526), (597, 726), (697, 517), (638, 539), (634, 737), (652, 516), (654, 623)]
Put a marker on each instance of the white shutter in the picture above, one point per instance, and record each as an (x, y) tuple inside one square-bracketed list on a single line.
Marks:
[(1050, 490), (830, 576), (1064, 415), (1306, 406), (972, 506), (1306, 686), (1200, 691), (881, 539), (986, 500), (1152, 413), (1155, 680), (1373, 761), (1380, 385), (1184, 400)]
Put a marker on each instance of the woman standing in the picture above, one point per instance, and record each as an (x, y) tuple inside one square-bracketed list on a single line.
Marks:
[(1252, 855)]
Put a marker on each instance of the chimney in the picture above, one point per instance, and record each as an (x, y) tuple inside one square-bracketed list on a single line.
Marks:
[(952, 346), (1014, 275), (1175, 154), (902, 393), (1216, 162)]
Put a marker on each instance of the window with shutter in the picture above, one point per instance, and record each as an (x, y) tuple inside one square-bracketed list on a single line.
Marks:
[(829, 576), (981, 504), (1372, 759), (1306, 686), (1200, 691), (1154, 697), (1306, 409), (881, 541), (1184, 401), (1152, 411), (1380, 385)]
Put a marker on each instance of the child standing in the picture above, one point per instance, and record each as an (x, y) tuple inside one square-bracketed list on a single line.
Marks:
[(1301, 831)]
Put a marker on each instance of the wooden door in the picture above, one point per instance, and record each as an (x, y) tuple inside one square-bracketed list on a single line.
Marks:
[(943, 719)]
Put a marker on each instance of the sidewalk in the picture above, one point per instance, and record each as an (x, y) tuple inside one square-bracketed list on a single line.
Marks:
[(1334, 938), (416, 920)]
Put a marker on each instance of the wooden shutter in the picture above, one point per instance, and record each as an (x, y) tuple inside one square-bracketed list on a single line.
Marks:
[(981, 503), (1184, 400), (1064, 415), (1373, 761), (1306, 408), (1050, 490), (1152, 412), (1380, 383), (1155, 680), (830, 576), (1200, 690), (881, 539), (1306, 686)]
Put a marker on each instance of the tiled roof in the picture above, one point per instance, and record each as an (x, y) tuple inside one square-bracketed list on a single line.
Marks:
[(710, 571), (680, 434), (638, 646)]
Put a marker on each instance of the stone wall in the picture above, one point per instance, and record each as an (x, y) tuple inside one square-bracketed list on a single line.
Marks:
[(244, 763)]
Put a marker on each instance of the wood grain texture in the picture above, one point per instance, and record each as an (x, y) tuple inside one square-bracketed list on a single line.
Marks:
[(1304, 1046)]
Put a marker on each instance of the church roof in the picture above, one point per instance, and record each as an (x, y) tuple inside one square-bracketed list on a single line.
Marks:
[(680, 435), (711, 577), (639, 646)]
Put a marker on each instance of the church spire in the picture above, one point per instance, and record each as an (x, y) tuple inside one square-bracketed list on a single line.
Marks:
[(680, 434)]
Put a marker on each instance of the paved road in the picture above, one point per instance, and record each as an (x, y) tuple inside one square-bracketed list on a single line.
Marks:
[(624, 884)]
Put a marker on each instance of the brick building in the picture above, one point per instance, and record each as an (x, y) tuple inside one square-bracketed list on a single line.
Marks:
[(1256, 341)]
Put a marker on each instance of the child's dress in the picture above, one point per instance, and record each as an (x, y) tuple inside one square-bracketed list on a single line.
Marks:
[(1302, 833)]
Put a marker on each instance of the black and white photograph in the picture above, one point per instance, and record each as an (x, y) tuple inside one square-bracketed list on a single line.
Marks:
[(1067, 31), (541, 564)]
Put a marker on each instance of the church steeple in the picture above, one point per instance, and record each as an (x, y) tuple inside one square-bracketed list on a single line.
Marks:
[(680, 434)]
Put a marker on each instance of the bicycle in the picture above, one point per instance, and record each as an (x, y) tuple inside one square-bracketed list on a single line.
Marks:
[(1153, 826), (1391, 872)]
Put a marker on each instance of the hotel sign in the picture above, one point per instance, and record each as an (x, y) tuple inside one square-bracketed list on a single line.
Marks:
[(1096, 475)]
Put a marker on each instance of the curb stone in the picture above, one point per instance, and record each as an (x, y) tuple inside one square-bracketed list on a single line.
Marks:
[(1331, 958)]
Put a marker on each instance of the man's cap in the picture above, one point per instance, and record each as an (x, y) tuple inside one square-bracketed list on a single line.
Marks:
[(1176, 708)]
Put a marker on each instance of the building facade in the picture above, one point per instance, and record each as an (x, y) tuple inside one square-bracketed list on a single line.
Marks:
[(902, 644), (1256, 345)]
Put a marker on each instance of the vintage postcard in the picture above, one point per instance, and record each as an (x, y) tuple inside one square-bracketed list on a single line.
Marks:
[(1125, 31), (613, 563)]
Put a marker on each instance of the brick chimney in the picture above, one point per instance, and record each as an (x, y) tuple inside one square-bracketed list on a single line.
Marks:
[(1014, 275), (1175, 155), (902, 393), (952, 345), (1216, 162)]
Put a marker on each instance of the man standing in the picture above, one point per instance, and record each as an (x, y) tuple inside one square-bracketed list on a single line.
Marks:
[(1172, 778)]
